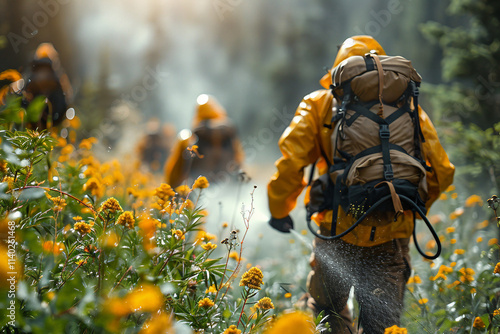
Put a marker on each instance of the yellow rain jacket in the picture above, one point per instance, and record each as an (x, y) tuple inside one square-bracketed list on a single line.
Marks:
[(178, 164), (301, 144)]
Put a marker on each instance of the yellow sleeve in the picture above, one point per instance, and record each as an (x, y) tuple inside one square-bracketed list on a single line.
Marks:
[(175, 171), (300, 146), (442, 170)]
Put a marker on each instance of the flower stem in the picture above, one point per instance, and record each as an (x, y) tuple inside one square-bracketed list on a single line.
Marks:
[(247, 292)]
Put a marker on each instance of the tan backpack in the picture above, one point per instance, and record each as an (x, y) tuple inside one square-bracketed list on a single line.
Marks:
[(378, 170)]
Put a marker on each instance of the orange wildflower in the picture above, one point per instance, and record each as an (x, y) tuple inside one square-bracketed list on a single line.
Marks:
[(201, 182)]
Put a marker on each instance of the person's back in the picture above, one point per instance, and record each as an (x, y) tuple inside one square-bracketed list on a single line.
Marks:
[(48, 80), (215, 140), (218, 147), (376, 264)]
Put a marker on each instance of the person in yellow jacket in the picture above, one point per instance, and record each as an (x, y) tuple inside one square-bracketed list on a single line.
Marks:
[(378, 268), (48, 79), (219, 152)]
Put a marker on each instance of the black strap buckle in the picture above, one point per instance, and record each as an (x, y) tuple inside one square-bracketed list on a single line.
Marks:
[(388, 173), (415, 90), (384, 132)]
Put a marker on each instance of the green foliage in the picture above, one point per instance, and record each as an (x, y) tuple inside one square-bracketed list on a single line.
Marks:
[(107, 262), (446, 295), (466, 107)]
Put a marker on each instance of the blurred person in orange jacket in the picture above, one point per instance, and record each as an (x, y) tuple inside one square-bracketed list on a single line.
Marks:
[(219, 150), (379, 268), (47, 78), (155, 145)]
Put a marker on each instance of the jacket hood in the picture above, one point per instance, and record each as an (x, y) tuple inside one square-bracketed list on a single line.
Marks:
[(353, 46), (207, 107)]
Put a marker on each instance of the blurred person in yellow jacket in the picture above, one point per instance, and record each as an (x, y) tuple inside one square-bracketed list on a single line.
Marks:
[(377, 267), (218, 152), (47, 78)]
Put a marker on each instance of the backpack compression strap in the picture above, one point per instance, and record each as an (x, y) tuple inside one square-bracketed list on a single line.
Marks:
[(380, 71)]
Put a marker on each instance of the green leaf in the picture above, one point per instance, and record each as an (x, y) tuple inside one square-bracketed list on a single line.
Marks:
[(35, 108), (31, 194), (70, 293)]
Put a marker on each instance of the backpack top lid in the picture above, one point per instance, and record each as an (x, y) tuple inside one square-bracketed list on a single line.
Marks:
[(363, 76)]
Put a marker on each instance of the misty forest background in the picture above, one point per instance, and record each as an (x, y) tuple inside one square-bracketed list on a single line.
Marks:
[(259, 58)]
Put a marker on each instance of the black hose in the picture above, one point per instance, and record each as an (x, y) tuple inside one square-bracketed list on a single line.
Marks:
[(372, 208)]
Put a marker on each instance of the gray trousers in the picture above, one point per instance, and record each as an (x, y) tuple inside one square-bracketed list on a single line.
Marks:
[(378, 275)]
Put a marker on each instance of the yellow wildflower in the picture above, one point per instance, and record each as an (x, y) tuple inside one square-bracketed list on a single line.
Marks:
[(423, 301), (453, 241), (50, 247), (395, 330), (453, 285), (454, 195), (148, 225), (59, 202), (457, 213), (116, 306), (431, 244), (147, 298), (496, 312), (466, 275), (293, 323), (158, 323), (111, 205), (265, 304), (288, 295), (9, 180), (110, 239), (225, 225), (415, 279), (82, 227), (482, 224), (459, 251), (473, 201), (208, 246), (11, 75), (126, 219), (81, 262), (443, 197), (441, 273), (164, 192), (211, 289), (252, 278), (450, 188), (179, 235), (201, 182), (87, 143), (497, 268), (3, 166), (232, 330), (478, 323), (206, 303), (492, 241), (94, 186), (234, 255), (479, 239), (450, 229), (187, 204), (67, 150), (183, 190)]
